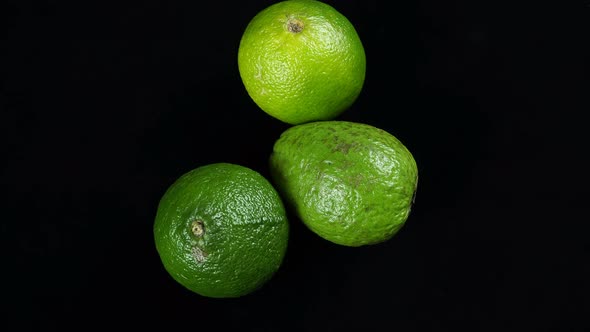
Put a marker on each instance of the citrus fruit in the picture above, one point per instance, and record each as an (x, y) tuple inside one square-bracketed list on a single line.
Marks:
[(350, 183), (221, 230), (301, 61)]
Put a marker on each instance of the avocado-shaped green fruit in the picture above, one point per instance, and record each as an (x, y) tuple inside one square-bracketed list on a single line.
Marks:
[(350, 183)]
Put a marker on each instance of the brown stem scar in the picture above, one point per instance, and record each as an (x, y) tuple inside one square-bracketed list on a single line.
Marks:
[(294, 25), (197, 228)]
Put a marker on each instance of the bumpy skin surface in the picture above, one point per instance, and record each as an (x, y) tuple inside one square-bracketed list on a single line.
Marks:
[(243, 235), (350, 183), (307, 75)]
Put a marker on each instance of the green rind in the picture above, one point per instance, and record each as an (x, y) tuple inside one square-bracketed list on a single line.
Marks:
[(246, 230), (350, 183), (301, 77)]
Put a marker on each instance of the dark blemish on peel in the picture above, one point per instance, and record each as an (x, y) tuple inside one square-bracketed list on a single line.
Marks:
[(294, 25)]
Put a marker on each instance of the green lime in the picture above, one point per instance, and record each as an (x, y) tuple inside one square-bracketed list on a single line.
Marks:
[(351, 183), (221, 230), (301, 61)]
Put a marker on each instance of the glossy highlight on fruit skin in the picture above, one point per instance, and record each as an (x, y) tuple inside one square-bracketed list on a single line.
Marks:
[(351, 183), (221, 230), (301, 61)]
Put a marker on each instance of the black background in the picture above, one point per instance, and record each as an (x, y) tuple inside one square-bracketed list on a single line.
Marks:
[(103, 106)]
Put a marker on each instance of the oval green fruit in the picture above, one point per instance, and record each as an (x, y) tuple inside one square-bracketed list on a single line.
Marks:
[(301, 61), (221, 230), (351, 183)]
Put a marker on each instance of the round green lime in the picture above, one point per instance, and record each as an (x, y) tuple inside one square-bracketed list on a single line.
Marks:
[(302, 61), (221, 230)]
